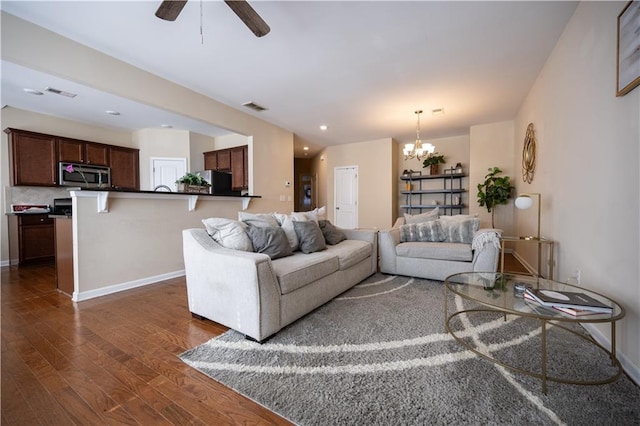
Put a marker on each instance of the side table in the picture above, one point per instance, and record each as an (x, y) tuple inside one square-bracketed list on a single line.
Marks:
[(540, 242)]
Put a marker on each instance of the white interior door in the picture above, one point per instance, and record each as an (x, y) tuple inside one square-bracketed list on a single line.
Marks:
[(165, 171), (346, 196)]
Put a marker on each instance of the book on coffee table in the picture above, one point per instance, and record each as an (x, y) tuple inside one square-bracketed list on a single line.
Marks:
[(567, 299)]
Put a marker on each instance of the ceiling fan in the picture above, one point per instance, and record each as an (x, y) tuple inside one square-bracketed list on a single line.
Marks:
[(170, 9)]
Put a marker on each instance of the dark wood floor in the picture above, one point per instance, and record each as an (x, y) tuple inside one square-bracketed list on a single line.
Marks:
[(113, 359), (110, 360)]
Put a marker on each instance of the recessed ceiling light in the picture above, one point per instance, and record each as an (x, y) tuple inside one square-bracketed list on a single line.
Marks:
[(323, 127), (306, 148), (110, 112), (166, 126), (33, 92), (437, 111)]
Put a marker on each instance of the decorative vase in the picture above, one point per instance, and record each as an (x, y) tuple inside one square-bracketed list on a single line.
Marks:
[(434, 169)]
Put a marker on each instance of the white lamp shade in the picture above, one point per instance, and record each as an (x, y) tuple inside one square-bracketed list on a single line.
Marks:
[(524, 202)]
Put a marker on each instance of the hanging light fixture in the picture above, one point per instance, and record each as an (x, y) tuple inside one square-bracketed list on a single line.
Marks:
[(417, 150)]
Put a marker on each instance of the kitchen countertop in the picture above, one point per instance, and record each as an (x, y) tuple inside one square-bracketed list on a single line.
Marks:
[(167, 193)]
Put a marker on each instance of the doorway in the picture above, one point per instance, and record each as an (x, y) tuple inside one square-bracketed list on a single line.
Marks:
[(346, 196), (166, 171)]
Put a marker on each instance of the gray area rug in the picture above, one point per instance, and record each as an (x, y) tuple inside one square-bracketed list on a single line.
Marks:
[(378, 355)]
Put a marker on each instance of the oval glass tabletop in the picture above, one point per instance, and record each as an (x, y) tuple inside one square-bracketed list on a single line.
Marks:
[(497, 290)]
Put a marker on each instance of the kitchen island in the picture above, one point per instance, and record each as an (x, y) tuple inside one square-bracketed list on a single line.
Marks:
[(126, 239)]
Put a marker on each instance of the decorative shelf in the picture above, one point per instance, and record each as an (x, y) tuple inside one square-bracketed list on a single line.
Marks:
[(447, 197)]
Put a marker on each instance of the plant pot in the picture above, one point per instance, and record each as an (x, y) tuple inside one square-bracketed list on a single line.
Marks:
[(194, 189), (434, 169)]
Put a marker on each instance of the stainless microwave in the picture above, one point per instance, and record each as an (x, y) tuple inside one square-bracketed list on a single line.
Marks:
[(83, 175)]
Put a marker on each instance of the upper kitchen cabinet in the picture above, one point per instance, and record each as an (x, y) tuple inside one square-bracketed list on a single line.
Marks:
[(33, 158), (77, 151), (125, 167), (219, 160), (234, 160), (239, 172)]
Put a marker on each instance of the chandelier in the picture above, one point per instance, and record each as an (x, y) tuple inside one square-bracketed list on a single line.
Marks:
[(417, 150)]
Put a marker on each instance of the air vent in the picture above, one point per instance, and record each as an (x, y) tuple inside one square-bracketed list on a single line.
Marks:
[(60, 92), (254, 106)]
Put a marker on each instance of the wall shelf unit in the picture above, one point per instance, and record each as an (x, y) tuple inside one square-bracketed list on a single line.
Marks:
[(421, 191)]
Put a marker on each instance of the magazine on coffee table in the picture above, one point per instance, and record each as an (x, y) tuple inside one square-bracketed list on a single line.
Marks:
[(567, 299)]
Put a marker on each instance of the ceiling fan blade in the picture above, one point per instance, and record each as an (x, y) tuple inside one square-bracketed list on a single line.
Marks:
[(249, 16), (170, 9)]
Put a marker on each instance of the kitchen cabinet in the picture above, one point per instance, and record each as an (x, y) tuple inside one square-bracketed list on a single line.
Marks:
[(35, 237), (239, 172), (77, 151), (234, 160), (125, 167), (219, 160), (33, 158)]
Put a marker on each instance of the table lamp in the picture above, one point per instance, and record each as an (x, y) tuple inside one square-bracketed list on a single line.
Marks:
[(523, 202)]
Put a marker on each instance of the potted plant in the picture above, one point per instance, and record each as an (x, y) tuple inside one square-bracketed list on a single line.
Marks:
[(193, 183), (494, 191), (433, 161)]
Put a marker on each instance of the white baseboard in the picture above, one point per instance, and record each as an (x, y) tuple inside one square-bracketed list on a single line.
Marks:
[(86, 295), (4, 263), (630, 368)]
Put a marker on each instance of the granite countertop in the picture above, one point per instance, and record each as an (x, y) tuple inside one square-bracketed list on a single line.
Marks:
[(168, 193)]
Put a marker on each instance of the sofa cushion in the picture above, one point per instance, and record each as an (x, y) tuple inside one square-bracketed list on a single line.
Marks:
[(332, 235), (297, 271), (310, 238), (350, 252), (459, 230), (286, 223), (439, 251), (228, 233), (425, 231), (271, 241)]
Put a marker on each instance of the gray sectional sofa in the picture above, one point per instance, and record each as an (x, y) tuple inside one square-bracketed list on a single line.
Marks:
[(257, 295)]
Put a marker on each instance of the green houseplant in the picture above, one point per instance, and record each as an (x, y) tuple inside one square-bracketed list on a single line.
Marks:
[(193, 183), (433, 160), (494, 191)]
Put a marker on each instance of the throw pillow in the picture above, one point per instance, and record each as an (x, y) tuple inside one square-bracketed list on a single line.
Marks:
[(459, 230), (269, 240), (286, 223), (228, 233), (423, 217), (422, 232), (309, 236), (332, 235), (258, 219), (319, 213)]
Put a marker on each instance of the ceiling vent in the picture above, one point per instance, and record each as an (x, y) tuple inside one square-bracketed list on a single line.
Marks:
[(254, 106), (60, 92)]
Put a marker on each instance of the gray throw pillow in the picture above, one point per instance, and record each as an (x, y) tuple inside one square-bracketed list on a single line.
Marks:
[(332, 235), (422, 217), (459, 231), (422, 232), (309, 236), (270, 241)]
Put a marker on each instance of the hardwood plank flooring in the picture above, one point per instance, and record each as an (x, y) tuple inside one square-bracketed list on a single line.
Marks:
[(111, 360)]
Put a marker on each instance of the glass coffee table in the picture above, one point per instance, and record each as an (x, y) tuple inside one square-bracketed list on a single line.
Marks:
[(495, 292)]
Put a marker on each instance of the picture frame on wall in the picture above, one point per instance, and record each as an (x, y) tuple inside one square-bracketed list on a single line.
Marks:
[(628, 52)]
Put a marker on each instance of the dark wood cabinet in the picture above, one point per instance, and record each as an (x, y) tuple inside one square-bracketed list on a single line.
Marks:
[(234, 160), (239, 172), (36, 242), (125, 167), (77, 151), (219, 160), (33, 158)]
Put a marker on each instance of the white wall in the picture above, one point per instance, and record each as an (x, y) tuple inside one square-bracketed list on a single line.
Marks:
[(168, 143), (376, 179), (492, 146), (587, 166)]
